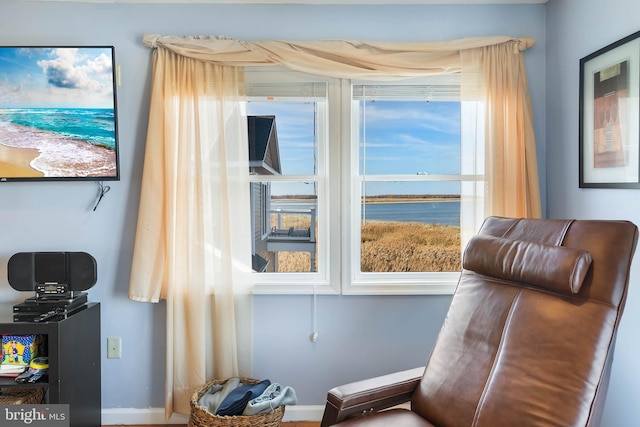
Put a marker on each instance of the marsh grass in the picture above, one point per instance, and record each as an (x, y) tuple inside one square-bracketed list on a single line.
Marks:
[(292, 262), (392, 247), (409, 247)]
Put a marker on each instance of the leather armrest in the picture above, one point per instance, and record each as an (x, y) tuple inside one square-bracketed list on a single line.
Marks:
[(370, 395)]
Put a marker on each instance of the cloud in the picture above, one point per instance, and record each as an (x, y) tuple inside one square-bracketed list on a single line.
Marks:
[(443, 117), (70, 69)]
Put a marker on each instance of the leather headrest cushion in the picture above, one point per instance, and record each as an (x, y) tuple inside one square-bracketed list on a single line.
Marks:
[(556, 268)]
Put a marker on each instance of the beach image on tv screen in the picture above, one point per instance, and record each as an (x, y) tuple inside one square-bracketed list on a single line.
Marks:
[(57, 113)]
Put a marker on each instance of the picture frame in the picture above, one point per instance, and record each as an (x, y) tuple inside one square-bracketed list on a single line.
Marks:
[(609, 113)]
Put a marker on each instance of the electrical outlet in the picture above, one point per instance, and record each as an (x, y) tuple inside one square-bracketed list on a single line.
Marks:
[(114, 348)]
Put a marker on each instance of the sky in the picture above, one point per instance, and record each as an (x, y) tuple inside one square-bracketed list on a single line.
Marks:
[(56, 77), (414, 138)]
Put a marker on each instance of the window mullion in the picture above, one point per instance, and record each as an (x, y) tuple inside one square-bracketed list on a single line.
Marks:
[(346, 190)]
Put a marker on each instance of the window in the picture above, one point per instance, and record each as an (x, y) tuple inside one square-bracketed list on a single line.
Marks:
[(288, 150), (371, 187), (406, 179)]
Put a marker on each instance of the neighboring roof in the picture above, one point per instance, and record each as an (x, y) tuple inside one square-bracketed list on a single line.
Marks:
[(264, 154)]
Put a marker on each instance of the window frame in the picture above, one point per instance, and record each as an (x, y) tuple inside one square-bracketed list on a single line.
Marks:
[(355, 282), (339, 214), (277, 79)]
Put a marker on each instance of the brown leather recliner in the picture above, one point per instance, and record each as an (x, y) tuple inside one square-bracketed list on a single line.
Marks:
[(528, 339)]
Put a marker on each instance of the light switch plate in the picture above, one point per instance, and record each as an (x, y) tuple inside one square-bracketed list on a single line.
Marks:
[(114, 348)]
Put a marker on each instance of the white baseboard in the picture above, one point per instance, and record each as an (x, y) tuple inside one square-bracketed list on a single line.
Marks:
[(303, 413), (133, 416)]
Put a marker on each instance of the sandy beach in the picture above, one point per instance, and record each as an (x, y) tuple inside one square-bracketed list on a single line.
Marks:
[(14, 162)]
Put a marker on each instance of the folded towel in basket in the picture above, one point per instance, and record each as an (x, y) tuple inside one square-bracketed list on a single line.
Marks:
[(236, 401), (273, 396), (216, 394)]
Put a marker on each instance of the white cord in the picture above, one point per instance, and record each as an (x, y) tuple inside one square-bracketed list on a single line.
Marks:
[(314, 335)]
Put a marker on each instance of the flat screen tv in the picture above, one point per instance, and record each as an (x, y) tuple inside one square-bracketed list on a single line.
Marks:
[(58, 116)]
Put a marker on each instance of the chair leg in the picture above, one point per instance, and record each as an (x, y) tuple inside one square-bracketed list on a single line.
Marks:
[(330, 415)]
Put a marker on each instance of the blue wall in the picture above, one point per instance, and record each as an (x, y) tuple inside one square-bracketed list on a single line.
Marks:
[(359, 335), (576, 28)]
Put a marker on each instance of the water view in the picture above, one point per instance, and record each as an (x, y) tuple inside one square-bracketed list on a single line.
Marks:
[(440, 212)]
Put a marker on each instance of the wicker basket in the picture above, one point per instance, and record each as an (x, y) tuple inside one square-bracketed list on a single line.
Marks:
[(200, 417), (21, 395)]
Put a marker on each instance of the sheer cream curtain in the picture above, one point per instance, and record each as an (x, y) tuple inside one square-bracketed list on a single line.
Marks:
[(192, 243), (494, 78), (195, 184)]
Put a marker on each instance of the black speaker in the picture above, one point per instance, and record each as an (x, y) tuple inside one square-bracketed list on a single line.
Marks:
[(76, 270), (50, 267), (82, 271), (20, 272)]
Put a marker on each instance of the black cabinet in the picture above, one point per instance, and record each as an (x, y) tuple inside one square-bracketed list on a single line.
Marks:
[(74, 361)]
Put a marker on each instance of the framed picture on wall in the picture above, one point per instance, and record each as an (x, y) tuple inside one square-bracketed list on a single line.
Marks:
[(609, 111)]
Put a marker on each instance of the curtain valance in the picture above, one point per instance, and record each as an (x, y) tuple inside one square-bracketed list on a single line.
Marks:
[(335, 58)]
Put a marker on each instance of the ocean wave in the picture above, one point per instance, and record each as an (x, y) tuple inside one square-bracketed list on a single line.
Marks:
[(96, 126), (60, 155)]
